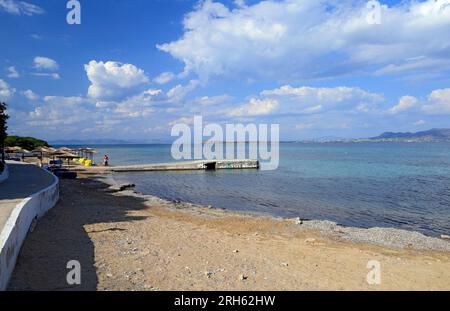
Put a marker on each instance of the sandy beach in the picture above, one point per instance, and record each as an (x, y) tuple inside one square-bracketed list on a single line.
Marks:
[(126, 241)]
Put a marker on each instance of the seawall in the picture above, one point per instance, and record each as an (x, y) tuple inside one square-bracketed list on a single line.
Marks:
[(15, 230)]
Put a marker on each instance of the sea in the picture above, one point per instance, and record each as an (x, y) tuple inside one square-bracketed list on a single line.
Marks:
[(399, 185)]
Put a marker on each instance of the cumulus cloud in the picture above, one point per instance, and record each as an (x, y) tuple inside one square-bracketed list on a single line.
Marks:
[(45, 63), (211, 100), (438, 102), (57, 112), (310, 100), (405, 103), (30, 95), (308, 38), (113, 79), (179, 92), (164, 77), (12, 72), (20, 7), (6, 92), (141, 105), (255, 107)]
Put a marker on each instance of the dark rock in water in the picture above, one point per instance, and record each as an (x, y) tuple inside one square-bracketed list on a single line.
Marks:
[(122, 187), (126, 186)]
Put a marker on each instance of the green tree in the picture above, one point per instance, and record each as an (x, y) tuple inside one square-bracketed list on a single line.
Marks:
[(3, 127), (28, 143)]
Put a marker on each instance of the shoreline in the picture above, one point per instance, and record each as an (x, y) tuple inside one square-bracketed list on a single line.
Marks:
[(129, 241), (382, 236)]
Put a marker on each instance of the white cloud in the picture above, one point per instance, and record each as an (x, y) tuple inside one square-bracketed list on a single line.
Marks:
[(164, 77), (255, 107), (322, 126), (113, 79), (45, 63), (179, 92), (438, 102), (309, 38), (20, 7), (140, 105), (420, 122), (58, 112), (211, 100), (405, 103), (309, 100), (67, 101), (53, 75), (240, 3), (30, 95), (182, 120), (36, 36), (6, 92), (12, 72)]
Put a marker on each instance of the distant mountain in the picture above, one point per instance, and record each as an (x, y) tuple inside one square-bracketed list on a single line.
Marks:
[(432, 135)]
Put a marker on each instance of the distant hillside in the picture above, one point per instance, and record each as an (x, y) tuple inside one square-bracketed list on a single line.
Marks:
[(28, 143), (424, 136)]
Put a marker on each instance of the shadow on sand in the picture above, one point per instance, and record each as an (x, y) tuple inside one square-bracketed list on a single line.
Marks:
[(60, 236)]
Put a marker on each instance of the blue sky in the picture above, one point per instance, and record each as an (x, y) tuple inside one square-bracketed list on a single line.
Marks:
[(132, 69)]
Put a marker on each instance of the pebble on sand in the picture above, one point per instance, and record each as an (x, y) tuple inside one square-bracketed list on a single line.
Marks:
[(243, 277)]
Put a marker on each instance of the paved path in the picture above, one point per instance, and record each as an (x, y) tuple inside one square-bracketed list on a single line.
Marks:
[(23, 181)]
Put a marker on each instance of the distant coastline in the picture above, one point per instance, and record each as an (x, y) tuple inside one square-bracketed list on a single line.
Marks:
[(432, 135)]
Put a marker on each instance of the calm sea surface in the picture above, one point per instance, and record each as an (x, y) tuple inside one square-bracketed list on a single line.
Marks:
[(402, 185)]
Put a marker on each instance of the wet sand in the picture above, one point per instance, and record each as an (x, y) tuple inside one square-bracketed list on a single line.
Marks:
[(129, 242)]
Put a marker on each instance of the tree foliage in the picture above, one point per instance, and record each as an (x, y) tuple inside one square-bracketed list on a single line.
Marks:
[(28, 143)]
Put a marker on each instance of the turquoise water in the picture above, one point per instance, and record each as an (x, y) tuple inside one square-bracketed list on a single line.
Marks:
[(402, 185)]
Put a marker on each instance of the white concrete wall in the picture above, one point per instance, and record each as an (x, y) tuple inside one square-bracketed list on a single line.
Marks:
[(5, 174), (18, 224)]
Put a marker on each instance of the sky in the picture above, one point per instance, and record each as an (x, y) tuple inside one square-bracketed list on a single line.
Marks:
[(131, 70)]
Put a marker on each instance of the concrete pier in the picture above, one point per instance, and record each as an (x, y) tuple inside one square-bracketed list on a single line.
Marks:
[(175, 166)]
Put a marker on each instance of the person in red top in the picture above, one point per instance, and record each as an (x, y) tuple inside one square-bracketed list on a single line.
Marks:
[(105, 160)]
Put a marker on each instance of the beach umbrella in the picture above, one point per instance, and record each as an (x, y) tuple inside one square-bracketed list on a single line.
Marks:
[(89, 152), (42, 150), (56, 153), (16, 150), (65, 149), (68, 156)]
